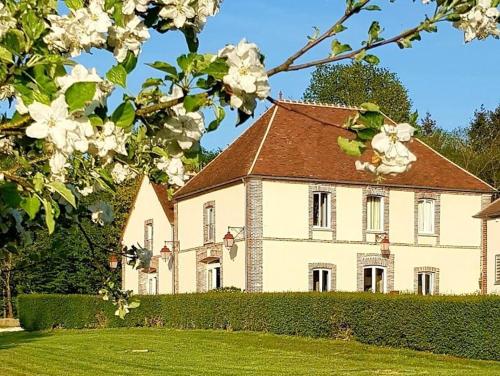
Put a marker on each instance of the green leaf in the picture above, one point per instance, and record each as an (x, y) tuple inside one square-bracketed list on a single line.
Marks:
[(373, 32), (360, 56), (14, 41), (193, 103), (5, 55), (63, 191), (118, 13), (164, 67), (130, 62), (371, 59), (49, 216), (370, 107), (339, 28), (79, 94), (74, 4), (161, 152), (217, 69), (117, 75), (124, 116), (30, 205), (404, 43), (152, 82), (95, 120), (370, 119), (351, 147), (33, 26), (366, 134), (338, 48), (185, 62), (10, 194), (372, 7), (38, 182), (134, 304), (220, 114)]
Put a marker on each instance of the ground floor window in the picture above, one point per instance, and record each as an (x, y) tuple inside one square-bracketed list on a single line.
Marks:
[(321, 279), (152, 284), (374, 279), (425, 283), (214, 276)]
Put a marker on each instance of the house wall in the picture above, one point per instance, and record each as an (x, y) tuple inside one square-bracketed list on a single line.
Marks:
[(401, 205), (230, 209), (456, 276), (457, 225), (349, 213), (493, 249), (146, 207)]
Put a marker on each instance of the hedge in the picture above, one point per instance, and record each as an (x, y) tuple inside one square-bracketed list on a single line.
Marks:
[(465, 326)]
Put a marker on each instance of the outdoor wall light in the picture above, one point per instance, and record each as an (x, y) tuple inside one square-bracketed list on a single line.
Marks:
[(113, 261), (165, 252), (229, 238), (385, 246)]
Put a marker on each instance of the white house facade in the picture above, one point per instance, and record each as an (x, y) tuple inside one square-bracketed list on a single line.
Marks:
[(303, 219)]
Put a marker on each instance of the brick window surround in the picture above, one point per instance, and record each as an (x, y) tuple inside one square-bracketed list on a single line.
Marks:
[(375, 259), (323, 265), (380, 192), (427, 269), (206, 205), (333, 212)]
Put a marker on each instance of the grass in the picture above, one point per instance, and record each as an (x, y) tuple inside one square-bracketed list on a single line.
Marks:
[(206, 352)]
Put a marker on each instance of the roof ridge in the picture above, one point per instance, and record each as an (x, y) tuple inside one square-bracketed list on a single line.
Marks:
[(263, 140), (224, 150), (318, 104)]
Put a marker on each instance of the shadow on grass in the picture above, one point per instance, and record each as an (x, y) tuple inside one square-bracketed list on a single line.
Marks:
[(9, 340)]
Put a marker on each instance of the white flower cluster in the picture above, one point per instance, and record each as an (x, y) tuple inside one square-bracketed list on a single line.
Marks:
[(174, 168), (130, 6), (101, 213), (6, 145), (184, 128), (480, 22), (121, 173), (247, 79), (74, 132), (91, 26), (190, 12), (392, 155), (6, 20)]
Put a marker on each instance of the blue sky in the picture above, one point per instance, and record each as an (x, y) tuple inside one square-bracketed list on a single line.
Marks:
[(443, 75)]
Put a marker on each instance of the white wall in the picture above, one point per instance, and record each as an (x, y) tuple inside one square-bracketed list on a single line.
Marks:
[(187, 271), (234, 266), (146, 206), (457, 225), (349, 213), (401, 216)]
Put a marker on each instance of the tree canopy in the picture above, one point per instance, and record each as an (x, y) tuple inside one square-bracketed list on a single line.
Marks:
[(357, 83)]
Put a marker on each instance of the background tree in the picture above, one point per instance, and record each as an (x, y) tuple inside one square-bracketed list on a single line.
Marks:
[(357, 83), (427, 125)]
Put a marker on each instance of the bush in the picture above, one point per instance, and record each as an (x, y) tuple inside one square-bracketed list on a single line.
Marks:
[(466, 326)]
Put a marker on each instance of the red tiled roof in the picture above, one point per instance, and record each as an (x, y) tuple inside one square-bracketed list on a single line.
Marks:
[(166, 204), (491, 211), (299, 141)]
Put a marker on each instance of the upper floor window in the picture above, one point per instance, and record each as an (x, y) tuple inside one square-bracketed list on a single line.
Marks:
[(148, 234), (425, 283), (375, 213), (321, 209), (321, 279), (426, 216), (209, 224)]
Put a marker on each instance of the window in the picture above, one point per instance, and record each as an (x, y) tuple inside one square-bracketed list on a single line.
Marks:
[(321, 209), (375, 213), (497, 269), (148, 234), (210, 224), (374, 279), (213, 275), (425, 283), (152, 284), (426, 216), (322, 279)]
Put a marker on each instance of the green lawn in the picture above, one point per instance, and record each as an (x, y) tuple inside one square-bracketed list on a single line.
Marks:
[(198, 352)]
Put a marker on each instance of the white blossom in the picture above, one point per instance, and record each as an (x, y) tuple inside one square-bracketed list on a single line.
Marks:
[(85, 191), (20, 106), (109, 140), (6, 145), (480, 22), (174, 168), (186, 127), (179, 11), (6, 20), (6, 91), (128, 38), (205, 9), (130, 6), (58, 163), (247, 79), (102, 213), (393, 155), (121, 172)]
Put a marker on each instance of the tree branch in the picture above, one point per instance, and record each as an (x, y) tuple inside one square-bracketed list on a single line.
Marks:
[(15, 124)]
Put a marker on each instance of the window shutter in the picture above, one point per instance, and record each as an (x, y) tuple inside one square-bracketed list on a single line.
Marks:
[(497, 268)]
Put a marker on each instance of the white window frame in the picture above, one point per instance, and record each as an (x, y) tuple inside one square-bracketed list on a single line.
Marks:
[(212, 276), (328, 218), (432, 225), (432, 282), (374, 270), (149, 234), (210, 215), (321, 281), (368, 214), (152, 284)]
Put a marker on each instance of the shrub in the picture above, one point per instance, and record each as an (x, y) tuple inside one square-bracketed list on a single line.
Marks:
[(466, 326)]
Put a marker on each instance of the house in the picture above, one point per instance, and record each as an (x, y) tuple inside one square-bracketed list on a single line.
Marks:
[(491, 242), (302, 218)]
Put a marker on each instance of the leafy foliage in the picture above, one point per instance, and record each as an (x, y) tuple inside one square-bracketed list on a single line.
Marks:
[(357, 83), (466, 326)]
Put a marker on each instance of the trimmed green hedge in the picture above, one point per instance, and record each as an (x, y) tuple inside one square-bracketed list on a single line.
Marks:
[(466, 326)]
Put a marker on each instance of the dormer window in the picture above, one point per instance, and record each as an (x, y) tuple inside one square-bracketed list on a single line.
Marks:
[(375, 213), (426, 215)]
